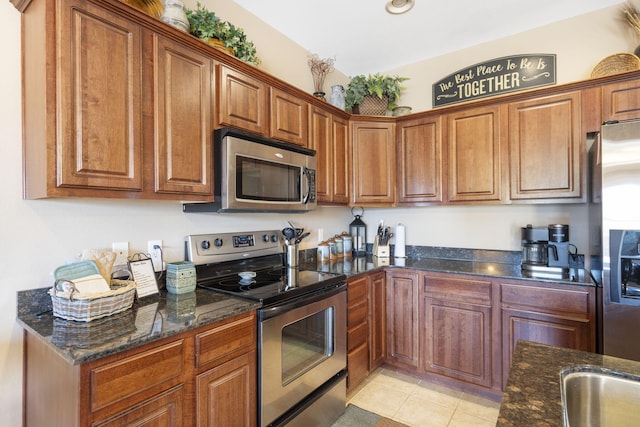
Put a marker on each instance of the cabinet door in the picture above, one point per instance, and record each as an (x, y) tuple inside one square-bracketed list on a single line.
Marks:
[(402, 318), (475, 147), (377, 320), (341, 160), (289, 118), (373, 151), (545, 144), (546, 314), (165, 410), (420, 161), (328, 136), (227, 395), (242, 101), (183, 134), (621, 101), (100, 107), (457, 322)]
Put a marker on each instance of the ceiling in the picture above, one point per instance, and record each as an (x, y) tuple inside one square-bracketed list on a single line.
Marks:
[(363, 38)]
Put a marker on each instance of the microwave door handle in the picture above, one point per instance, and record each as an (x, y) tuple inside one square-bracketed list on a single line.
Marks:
[(307, 174)]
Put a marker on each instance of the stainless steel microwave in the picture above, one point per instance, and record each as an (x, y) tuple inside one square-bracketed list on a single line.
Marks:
[(257, 174)]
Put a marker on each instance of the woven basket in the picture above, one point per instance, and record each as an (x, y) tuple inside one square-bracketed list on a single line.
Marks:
[(117, 300), (373, 106), (616, 64)]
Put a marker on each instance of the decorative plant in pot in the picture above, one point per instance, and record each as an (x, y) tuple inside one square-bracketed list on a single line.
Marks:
[(373, 94), (207, 26)]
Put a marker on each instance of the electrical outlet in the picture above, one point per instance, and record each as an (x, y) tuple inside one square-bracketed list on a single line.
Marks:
[(121, 249), (155, 253)]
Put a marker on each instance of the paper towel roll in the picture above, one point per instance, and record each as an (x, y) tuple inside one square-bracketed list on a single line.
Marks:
[(399, 251)]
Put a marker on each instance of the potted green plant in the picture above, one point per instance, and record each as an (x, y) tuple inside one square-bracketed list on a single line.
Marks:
[(376, 90), (207, 26)]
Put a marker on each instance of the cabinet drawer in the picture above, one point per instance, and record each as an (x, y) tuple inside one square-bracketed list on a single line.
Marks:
[(163, 410), (357, 366), (570, 301), (357, 336), (357, 314), (237, 335), (132, 375), (357, 291), (457, 289)]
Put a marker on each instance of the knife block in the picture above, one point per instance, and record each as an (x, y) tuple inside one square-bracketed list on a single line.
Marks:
[(380, 251)]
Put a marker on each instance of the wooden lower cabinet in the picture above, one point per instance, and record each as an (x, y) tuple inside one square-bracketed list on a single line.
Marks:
[(377, 319), (366, 323), (225, 395), (457, 327), (165, 410), (357, 331), (402, 317), (463, 328), (558, 315), (181, 381)]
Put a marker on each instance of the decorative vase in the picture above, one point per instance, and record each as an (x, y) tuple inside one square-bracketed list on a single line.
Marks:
[(319, 95), (401, 110), (373, 106), (337, 96), (175, 15)]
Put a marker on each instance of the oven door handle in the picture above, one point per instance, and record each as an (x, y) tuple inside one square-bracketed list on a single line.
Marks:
[(322, 294)]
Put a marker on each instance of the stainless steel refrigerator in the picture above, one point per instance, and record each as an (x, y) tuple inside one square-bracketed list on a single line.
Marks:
[(615, 213)]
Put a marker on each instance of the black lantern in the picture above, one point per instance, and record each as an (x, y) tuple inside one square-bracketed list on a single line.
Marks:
[(358, 231)]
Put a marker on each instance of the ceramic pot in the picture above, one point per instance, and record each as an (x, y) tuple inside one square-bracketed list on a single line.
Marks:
[(337, 96), (175, 15)]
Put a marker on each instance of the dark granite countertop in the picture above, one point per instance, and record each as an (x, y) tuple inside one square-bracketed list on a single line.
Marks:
[(150, 319), (490, 263), (532, 396)]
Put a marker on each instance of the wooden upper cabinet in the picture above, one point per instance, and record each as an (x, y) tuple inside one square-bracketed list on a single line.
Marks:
[(341, 165), (476, 142), (289, 118), (328, 135), (546, 146), (621, 101), (82, 97), (419, 161), (242, 101), (183, 134), (373, 151)]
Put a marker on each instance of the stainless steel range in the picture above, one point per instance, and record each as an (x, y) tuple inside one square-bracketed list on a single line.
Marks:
[(301, 323)]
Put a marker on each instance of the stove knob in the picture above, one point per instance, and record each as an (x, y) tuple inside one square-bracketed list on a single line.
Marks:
[(205, 244), (265, 238), (218, 242), (274, 238)]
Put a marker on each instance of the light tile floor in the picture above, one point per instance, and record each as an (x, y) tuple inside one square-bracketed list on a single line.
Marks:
[(419, 403)]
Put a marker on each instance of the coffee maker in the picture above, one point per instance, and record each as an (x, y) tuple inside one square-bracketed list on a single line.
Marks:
[(545, 251)]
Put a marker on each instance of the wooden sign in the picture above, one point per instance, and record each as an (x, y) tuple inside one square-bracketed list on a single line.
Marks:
[(498, 76)]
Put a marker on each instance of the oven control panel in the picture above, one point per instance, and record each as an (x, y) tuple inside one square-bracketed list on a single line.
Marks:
[(220, 247)]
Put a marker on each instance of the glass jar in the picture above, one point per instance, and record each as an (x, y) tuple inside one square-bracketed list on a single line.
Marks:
[(339, 246)]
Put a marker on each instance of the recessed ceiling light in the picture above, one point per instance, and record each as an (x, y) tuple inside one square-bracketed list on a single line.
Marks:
[(397, 7)]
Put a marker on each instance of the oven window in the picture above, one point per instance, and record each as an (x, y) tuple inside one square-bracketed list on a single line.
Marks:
[(306, 343), (267, 181)]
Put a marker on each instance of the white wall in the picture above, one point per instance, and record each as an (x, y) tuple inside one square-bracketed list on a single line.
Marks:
[(36, 236)]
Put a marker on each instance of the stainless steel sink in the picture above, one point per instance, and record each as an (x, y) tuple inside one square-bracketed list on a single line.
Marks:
[(594, 397)]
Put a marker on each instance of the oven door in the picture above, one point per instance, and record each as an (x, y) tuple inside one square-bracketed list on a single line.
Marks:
[(302, 346)]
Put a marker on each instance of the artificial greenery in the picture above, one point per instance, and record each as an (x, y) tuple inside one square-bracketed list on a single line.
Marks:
[(207, 25), (374, 85)]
